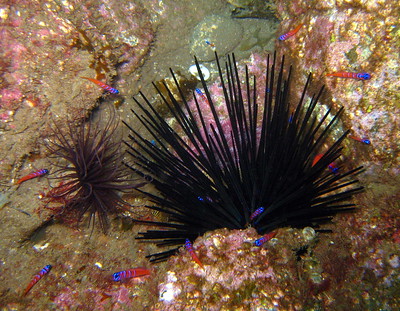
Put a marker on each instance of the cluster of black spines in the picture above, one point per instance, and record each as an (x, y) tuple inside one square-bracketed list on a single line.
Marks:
[(204, 185)]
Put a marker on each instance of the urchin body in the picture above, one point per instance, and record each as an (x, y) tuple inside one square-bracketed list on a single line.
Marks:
[(221, 172)]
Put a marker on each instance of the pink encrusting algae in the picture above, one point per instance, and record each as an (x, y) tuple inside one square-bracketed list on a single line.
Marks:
[(47, 46), (356, 36), (294, 269)]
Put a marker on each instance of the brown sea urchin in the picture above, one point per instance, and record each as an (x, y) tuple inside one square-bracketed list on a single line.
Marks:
[(90, 171)]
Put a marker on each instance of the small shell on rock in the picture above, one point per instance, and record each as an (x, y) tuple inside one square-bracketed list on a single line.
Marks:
[(216, 242), (308, 233), (206, 73), (168, 293)]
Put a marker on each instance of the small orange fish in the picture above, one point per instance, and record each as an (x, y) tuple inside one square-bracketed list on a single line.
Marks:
[(352, 75), (33, 175), (130, 273), (201, 94), (257, 212), (290, 33), (37, 277), (332, 166), (317, 158), (190, 249), (265, 238), (210, 43), (334, 169), (361, 140), (102, 85)]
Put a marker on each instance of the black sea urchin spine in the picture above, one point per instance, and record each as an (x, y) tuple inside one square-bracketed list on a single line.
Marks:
[(220, 177)]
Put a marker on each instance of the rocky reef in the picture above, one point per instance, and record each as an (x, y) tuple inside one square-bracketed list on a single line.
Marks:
[(48, 45), (352, 36)]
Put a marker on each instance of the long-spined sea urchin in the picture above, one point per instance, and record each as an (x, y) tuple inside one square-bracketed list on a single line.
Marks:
[(91, 174), (216, 178)]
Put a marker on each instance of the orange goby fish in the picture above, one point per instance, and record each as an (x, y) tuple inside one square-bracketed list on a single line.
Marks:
[(37, 277), (102, 85), (361, 140), (352, 75), (201, 94), (210, 44), (317, 158), (290, 33), (38, 173), (130, 273), (264, 238), (332, 166), (190, 249)]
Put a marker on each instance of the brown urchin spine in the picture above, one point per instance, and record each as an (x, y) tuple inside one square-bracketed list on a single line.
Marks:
[(93, 177)]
